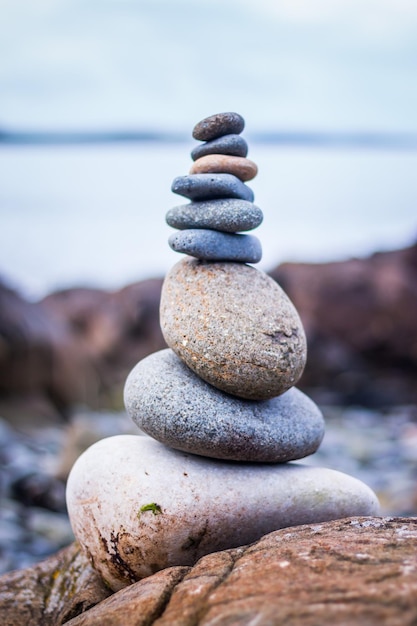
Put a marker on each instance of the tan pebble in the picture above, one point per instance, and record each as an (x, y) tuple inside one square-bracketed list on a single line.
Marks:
[(242, 168)]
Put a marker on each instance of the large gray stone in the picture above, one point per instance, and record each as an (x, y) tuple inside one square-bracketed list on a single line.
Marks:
[(173, 405), (137, 506), (234, 327)]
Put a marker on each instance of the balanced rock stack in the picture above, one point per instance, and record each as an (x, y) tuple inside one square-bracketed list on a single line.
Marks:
[(221, 203), (220, 404)]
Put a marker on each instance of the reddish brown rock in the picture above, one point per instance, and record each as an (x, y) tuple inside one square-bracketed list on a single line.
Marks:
[(114, 330), (352, 572), (360, 320), (241, 167), (38, 359), (75, 346)]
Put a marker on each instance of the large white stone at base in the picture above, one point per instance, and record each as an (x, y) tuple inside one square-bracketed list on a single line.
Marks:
[(137, 506)]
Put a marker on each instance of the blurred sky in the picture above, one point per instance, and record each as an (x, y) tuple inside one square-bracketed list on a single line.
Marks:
[(71, 214), (284, 64)]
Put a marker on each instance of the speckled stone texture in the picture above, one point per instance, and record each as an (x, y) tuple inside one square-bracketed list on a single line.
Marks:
[(234, 327), (212, 245), (137, 506), (207, 186), (218, 125), (226, 214), (228, 144), (174, 406), (244, 169)]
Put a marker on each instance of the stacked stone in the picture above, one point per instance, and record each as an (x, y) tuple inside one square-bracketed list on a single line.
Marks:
[(221, 203), (223, 391), (227, 324)]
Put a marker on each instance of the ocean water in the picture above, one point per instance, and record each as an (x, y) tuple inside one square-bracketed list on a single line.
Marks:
[(94, 215)]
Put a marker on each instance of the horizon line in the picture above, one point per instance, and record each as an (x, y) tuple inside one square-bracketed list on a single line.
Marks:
[(354, 139)]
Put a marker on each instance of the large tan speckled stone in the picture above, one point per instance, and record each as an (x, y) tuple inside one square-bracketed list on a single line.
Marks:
[(234, 327)]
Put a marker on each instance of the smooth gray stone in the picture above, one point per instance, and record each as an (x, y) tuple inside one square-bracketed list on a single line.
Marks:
[(228, 215), (218, 125), (233, 145), (212, 245), (173, 405), (208, 186)]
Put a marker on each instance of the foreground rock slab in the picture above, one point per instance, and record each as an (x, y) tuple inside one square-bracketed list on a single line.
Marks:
[(52, 592), (357, 571)]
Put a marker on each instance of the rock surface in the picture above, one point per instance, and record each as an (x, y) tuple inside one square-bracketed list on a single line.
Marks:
[(353, 571), (212, 245), (234, 327), (243, 168), (137, 506), (225, 214), (174, 406), (218, 125)]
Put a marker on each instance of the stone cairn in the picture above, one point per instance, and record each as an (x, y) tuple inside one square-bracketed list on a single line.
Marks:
[(220, 406)]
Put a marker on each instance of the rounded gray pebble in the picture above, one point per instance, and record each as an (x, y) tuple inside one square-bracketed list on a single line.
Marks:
[(212, 245), (173, 405), (218, 125), (228, 215), (208, 186), (233, 145)]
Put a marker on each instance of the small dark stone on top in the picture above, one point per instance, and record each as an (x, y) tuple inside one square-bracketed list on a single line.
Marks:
[(218, 125), (233, 145)]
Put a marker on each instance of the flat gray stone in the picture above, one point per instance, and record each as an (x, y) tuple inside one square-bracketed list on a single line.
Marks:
[(234, 327), (228, 215), (175, 406), (234, 145), (212, 245), (137, 506), (218, 125), (208, 186)]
